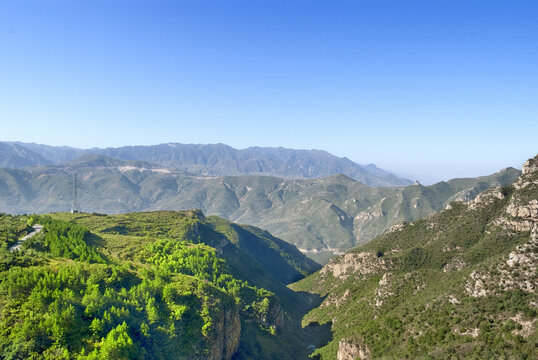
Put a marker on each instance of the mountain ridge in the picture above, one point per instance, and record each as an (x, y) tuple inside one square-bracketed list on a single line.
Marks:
[(320, 216), (220, 160)]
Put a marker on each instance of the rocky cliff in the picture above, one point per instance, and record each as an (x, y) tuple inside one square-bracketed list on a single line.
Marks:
[(225, 339), (461, 282)]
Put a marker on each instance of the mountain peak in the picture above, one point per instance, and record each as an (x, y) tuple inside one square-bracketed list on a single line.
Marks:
[(210, 160)]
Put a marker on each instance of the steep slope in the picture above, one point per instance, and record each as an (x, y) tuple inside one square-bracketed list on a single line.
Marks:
[(320, 216), (277, 262), (54, 154), (459, 283), (220, 159), (158, 285), (16, 156)]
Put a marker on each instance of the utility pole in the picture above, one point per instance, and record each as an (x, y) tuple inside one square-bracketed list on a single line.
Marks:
[(74, 207)]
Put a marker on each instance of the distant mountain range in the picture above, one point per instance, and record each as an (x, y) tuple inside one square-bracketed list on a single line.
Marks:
[(320, 216), (210, 160)]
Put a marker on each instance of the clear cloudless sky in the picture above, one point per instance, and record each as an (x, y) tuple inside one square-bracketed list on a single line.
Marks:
[(444, 88)]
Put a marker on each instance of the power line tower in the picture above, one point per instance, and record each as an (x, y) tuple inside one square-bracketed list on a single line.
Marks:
[(74, 206)]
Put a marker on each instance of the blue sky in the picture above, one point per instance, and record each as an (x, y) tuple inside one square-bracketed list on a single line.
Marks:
[(439, 88)]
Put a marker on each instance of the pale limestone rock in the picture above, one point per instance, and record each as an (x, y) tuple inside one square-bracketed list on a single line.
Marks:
[(527, 326), (397, 227), (485, 198), (362, 263), (352, 350), (455, 265), (528, 211), (514, 225), (472, 332), (447, 248), (369, 215), (335, 300), (383, 290), (518, 271), (530, 166), (528, 174)]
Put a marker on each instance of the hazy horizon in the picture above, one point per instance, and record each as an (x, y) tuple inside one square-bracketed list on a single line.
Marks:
[(424, 179)]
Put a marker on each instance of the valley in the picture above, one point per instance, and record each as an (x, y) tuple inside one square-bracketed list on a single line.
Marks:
[(148, 284), (268, 180), (322, 217)]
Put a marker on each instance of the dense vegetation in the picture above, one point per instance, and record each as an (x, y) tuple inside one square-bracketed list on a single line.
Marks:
[(461, 283), (143, 286)]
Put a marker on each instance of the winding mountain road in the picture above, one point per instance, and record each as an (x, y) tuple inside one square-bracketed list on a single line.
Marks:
[(37, 229)]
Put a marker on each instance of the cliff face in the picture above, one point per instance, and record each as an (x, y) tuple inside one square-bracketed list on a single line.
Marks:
[(226, 336), (462, 282), (351, 350)]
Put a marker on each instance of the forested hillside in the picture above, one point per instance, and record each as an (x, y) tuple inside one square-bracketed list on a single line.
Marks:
[(159, 285)]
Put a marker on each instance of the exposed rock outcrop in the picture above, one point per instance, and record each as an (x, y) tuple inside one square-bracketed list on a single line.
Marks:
[(369, 215), (471, 332), (383, 290), (455, 265), (526, 326), (397, 227), (527, 211), (361, 263), (485, 198), (227, 333), (351, 350), (273, 317), (513, 225), (335, 300), (530, 166), (519, 271), (529, 175)]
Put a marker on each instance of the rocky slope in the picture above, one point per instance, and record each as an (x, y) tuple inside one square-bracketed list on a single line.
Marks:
[(459, 283), (321, 216), (15, 156)]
